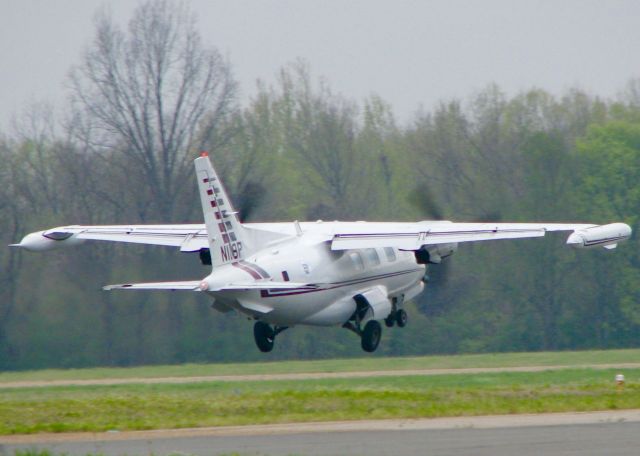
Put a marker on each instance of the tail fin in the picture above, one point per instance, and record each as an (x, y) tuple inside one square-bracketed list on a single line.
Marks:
[(226, 235)]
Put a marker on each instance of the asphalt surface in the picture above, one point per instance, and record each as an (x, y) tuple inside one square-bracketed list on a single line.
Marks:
[(595, 433)]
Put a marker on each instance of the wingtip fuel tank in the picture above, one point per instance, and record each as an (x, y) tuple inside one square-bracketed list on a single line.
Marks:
[(606, 236), (47, 240)]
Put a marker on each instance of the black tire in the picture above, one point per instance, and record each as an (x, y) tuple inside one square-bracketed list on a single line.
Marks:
[(401, 318), (371, 336), (264, 336), (390, 321)]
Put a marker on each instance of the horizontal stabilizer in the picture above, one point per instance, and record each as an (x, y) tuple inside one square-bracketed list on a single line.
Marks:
[(256, 308), (267, 285), (191, 285)]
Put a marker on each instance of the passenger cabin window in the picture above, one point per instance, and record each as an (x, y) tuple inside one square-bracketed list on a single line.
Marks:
[(390, 254), (356, 259), (372, 257)]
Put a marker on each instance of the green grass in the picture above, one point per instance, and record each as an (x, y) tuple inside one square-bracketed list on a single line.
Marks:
[(575, 358), (137, 406)]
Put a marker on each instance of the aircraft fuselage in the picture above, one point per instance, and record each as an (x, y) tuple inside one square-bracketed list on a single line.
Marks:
[(338, 276)]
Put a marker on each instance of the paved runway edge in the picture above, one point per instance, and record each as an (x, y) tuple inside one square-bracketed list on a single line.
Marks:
[(463, 422)]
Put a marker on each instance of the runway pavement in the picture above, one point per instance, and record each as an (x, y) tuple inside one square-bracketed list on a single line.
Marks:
[(591, 433)]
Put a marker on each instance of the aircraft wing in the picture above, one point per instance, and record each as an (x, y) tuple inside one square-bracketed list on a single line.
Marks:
[(189, 285), (195, 285), (343, 235), (266, 285), (413, 236), (189, 237)]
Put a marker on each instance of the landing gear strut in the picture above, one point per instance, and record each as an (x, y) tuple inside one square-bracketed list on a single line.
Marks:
[(265, 335)]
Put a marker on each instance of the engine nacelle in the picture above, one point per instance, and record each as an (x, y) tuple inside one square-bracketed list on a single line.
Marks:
[(606, 236), (374, 303), (434, 254), (48, 240)]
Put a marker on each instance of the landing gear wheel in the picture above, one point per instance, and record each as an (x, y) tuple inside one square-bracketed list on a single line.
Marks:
[(401, 318), (264, 336), (390, 321), (371, 336)]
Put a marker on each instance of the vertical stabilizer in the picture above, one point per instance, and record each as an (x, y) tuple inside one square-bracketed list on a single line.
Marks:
[(227, 239)]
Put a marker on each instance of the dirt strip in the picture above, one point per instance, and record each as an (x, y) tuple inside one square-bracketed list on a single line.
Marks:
[(305, 376), (475, 422)]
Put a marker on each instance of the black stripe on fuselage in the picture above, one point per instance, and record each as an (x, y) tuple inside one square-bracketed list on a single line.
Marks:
[(275, 292)]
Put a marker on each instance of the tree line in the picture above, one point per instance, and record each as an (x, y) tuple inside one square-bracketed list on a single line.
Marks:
[(144, 101)]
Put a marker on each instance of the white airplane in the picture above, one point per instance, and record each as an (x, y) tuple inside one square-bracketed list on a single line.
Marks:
[(352, 274)]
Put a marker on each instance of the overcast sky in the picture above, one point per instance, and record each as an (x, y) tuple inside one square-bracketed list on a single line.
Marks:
[(411, 53)]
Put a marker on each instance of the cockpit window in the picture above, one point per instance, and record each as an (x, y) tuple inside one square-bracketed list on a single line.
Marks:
[(372, 256), (356, 259)]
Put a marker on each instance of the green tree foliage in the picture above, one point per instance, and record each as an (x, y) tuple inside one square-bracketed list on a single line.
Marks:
[(609, 157)]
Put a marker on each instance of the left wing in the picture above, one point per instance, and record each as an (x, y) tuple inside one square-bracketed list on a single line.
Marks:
[(413, 236), (190, 238)]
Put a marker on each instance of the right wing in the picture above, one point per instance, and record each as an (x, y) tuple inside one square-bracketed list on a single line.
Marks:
[(413, 236)]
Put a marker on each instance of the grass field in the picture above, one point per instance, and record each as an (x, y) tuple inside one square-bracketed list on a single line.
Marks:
[(574, 358), (135, 407)]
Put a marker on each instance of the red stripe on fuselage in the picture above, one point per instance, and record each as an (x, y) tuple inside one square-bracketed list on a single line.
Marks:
[(258, 269), (250, 271)]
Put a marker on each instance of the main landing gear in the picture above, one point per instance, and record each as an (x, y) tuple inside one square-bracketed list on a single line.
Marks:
[(370, 337), (399, 317), (371, 334), (265, 335)]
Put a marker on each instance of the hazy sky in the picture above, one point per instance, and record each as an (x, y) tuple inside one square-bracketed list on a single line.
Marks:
[(411, 53)]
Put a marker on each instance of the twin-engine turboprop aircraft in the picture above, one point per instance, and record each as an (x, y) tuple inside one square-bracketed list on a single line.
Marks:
[(352, 274)]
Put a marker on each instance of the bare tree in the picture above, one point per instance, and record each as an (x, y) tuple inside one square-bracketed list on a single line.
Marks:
[(151, 94)]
